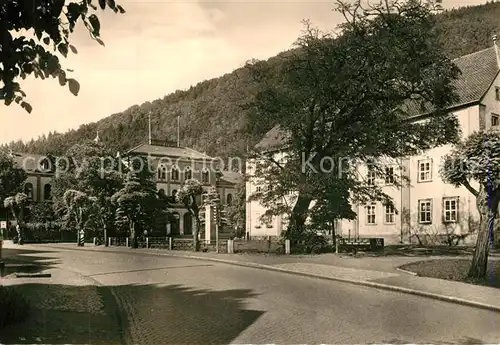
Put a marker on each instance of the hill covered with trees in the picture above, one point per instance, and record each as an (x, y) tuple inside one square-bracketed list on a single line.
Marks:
[(214, 113)]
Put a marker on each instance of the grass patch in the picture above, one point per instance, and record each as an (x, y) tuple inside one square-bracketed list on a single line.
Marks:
[(454, 269), (14, 307)]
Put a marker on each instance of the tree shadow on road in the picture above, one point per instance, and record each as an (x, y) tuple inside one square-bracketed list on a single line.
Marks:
[(26, 261), (138, 314)]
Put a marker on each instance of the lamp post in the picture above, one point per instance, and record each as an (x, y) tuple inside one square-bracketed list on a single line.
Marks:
[(217, 212)]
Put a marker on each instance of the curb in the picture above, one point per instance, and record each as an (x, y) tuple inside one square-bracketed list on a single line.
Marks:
[(381, 286), (407, 272)]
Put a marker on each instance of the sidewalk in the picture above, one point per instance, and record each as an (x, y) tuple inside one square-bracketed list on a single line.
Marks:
[(377, 272), (64, 308)]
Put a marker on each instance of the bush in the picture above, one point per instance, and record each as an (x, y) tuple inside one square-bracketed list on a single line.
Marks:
[(13, 306), (307, 242)]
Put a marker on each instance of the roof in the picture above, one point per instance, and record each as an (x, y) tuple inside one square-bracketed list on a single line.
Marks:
[(274, 139), (232, 177), (30, 162), (168, 151), (478, 71)]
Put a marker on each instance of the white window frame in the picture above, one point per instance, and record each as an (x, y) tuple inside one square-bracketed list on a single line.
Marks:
[(389, 175), (371, 177), (258, 223), (177, 175), (204, 173), (187, 171), (448, 210), (420, 212), (497, 117), (162, 172), (391, 214), (371, 214), (421, 163)]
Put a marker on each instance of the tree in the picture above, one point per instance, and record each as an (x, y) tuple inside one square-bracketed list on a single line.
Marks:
[(80, 208), (187, 195), (132, 202), (475, 164), (53, 22), (92, 170), (17, 204), (11, 177), (345, 99), (236, 211)]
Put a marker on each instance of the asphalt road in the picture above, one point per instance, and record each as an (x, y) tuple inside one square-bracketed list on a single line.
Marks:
[(180, 301)]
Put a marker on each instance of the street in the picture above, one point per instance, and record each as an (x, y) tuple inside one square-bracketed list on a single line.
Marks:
[(165, 300)]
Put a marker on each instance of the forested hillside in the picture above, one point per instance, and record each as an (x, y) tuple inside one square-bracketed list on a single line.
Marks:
[(213, 112)]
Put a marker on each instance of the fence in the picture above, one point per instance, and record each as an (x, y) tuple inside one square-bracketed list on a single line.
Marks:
[(225, 246), (270, 245)]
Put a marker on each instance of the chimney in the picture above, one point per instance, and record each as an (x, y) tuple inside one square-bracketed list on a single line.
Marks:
[(495, 39)]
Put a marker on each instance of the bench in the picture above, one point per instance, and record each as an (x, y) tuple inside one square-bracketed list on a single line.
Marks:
[(355, 244)]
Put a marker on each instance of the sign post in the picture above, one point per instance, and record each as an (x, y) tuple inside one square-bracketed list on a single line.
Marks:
[(3, 228)]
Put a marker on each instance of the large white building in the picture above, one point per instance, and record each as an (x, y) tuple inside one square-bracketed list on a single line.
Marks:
[(428, 209)]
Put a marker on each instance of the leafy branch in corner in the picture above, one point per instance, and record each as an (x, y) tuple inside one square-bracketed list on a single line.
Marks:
[(32, 35)]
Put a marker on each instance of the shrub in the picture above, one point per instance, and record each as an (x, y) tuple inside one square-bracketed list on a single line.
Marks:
[(13, 306)]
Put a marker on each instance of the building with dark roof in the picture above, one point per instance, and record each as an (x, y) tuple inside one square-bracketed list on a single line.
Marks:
[(173, 165), (433, 208)]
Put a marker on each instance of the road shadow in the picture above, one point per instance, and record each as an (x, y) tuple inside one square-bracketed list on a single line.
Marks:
[(26, 261), (136, 314)]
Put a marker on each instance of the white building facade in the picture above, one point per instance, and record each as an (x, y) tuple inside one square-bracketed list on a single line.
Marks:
[(427, 209)]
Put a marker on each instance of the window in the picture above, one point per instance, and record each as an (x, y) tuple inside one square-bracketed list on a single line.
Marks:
[(162, 172), (497, 93), (450, 209), (370, 214), (174, 194), (45, 165), (28, 190), (425, 211), (188, 174), (495, 120), (371, 178), (229, 199), (174, 175), (258, 222), (205, 176), (389, 214), (424, 170), (258, 189), (47, 192), (389, 175)]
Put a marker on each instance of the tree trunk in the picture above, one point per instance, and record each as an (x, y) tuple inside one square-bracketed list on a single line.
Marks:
[(196, 242), (298, 216), (133, 235), (20, 226), (487, 207)]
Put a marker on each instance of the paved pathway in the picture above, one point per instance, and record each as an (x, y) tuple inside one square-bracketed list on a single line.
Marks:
[(166, 300), (369, 270)]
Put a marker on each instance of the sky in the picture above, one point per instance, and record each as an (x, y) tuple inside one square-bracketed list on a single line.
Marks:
[(158, 47)]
